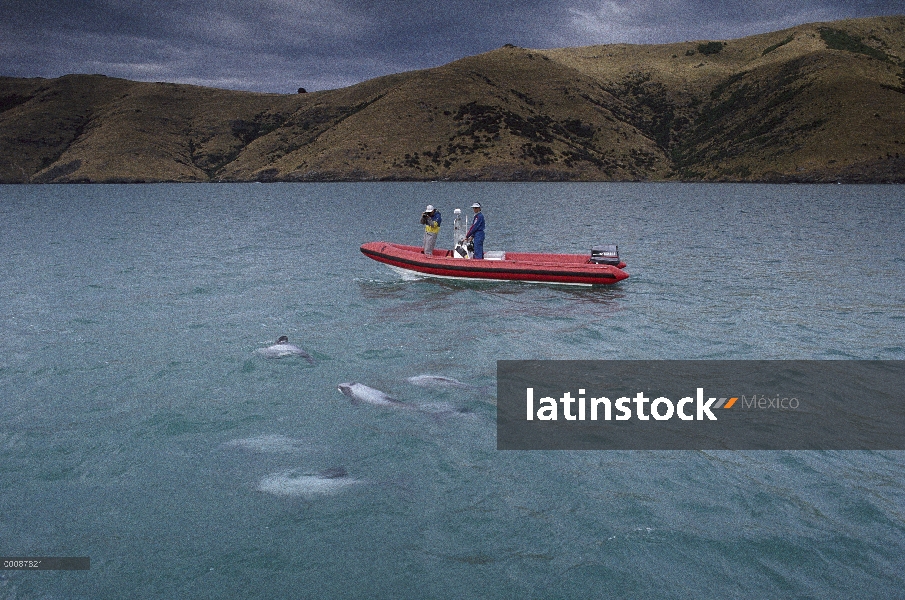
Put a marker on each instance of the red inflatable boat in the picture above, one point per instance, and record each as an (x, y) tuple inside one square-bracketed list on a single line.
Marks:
[(573, 269)]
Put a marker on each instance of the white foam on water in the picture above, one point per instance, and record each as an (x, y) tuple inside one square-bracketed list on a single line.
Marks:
[(408, 275)]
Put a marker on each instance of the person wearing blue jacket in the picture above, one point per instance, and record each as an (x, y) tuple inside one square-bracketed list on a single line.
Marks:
[(476, 231)]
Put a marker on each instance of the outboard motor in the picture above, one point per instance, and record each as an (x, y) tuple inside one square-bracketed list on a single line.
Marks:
[(460, 248), (606, 254)]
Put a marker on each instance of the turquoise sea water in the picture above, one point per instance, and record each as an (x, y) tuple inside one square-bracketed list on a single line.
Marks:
[(139, 427)]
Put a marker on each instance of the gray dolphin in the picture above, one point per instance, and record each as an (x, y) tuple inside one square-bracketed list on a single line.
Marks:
[(333, 473), (440, 381), (293, 483), (359, 392), (436, 381), (283, 348)]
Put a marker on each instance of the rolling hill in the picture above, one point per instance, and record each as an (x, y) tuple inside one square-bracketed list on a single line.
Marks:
[(815, 103)]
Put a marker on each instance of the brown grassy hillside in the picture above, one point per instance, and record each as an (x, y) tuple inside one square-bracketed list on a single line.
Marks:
[(818, 102)]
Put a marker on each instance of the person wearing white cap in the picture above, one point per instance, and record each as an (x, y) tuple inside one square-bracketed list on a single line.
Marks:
[(476, 231), (430, 218)]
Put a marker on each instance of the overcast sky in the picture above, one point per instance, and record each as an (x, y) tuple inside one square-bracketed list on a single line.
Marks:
[(281, 45)]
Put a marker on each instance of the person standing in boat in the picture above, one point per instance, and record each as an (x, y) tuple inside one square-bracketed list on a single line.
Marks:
[(476, 231), (430, 218)]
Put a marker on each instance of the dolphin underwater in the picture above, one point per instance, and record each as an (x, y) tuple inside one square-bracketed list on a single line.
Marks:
[(436, 381), (269, 443), (292, 483), (441, 381), (359, 392), (283, 348)]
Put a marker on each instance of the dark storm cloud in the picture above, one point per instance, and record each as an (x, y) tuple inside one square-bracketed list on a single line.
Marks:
[(279, 45), (665, 21)]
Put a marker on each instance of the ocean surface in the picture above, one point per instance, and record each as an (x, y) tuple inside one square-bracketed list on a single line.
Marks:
[(140, 427)]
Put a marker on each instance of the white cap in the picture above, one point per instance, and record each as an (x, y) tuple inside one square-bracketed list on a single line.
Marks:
[(429, 208), (476, 205), (458, 211)]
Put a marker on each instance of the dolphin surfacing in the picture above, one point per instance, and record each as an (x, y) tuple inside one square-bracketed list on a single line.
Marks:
[(359, 392), (282, 349)]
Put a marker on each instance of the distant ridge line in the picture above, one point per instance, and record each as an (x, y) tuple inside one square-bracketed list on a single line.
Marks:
[(821, 102)]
